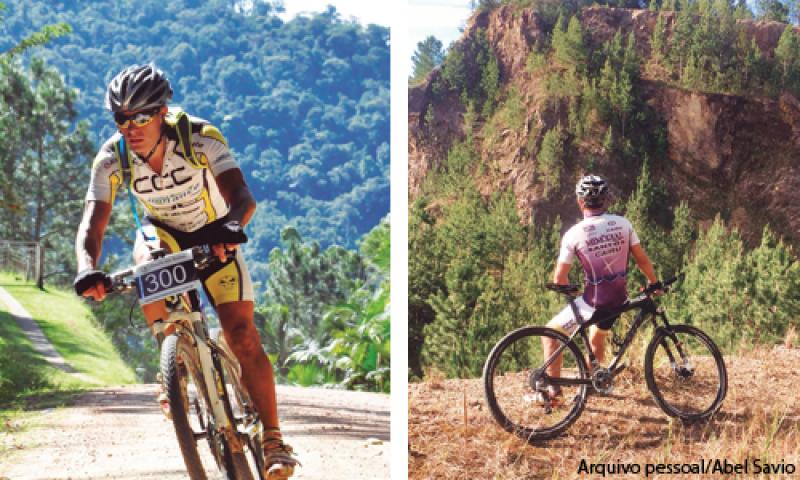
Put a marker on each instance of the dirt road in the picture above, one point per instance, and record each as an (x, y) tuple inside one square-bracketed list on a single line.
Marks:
[(119, 433)]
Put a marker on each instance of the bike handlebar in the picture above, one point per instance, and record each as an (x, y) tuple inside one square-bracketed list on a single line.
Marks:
[(573, 290), (202, 255)]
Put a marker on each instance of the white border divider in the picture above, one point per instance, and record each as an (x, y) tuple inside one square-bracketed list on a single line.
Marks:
[(399, 238)]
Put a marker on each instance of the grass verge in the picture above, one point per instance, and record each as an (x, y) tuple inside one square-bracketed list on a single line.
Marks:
[(26, 380)]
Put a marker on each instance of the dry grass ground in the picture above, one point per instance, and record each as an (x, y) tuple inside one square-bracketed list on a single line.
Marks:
[(453, 435)]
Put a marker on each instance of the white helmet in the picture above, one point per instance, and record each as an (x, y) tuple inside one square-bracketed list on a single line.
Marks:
[(593, 190), (138, 87)]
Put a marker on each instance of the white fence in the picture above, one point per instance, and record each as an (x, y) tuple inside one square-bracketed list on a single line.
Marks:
[(24, 258)]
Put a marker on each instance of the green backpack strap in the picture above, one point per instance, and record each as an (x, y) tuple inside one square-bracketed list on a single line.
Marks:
[(124, 160), (183, 127)]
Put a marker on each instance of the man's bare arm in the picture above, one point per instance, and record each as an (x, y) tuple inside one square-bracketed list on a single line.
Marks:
[(240, 202), (561, 273), (234, 190), (89, 241), (644, 263)]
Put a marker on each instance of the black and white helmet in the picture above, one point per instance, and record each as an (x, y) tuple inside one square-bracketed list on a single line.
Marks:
[(138, 87), (593, 190)]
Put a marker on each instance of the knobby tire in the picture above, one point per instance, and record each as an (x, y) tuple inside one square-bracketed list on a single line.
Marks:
[(687, 390), (173, 348), (508, 403)]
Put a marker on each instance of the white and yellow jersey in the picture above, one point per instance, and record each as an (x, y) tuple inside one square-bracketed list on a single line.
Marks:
[(183, 196)]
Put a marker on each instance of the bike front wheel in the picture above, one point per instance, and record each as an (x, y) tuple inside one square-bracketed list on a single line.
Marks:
[(206, 451), (517, 388), (685, 372)]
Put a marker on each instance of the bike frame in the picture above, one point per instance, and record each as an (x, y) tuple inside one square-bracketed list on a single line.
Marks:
[(647, 311), (192, 325), (210, 361)]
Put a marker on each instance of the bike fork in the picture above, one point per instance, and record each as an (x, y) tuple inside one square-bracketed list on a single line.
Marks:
[(680, 365)]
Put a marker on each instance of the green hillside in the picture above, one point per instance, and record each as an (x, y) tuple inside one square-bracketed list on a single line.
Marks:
[(73, 331), (520, 110)]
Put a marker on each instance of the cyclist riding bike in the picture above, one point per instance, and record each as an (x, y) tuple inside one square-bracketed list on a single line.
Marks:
[(193, 193), (603, 243)]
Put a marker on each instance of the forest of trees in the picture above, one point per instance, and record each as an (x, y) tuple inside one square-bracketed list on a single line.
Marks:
[(304, 104), (476, 269)]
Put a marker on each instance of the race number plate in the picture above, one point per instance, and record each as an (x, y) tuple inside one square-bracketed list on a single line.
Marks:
[(171, 275)]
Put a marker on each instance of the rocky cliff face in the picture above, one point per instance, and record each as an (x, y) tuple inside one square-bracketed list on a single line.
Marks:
[(731, 154)]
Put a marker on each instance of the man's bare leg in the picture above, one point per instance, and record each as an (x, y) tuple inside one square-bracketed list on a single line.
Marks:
[(156, 310), (243, 339), (597, 339), (549, 346)]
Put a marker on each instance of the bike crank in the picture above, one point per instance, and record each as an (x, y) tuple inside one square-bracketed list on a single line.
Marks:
[(603, 380)]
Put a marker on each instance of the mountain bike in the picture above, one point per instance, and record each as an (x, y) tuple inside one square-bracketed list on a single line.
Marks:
[(684, 370), (215, 421)]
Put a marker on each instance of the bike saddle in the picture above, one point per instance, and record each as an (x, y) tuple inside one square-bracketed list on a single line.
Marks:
[(565, 289)]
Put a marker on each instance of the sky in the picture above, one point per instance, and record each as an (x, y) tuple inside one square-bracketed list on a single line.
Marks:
[(364, 11), (440, 18)]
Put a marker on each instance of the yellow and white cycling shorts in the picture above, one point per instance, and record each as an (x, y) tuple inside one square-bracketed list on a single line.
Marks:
[(223, 282)]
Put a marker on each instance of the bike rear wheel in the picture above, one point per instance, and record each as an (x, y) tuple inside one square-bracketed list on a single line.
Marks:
[(685, 372), (512, 380), (206, 452)]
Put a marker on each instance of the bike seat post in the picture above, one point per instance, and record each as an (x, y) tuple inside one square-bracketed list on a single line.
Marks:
[(580, 321), (575, 312)]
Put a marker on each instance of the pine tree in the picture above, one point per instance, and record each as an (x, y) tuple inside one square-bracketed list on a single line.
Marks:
[(569, 46), (637, 210), (657, 40), (774, 10), (679, 241), (426, 266), (682, 32), (787, 54), (623, 99), (608, 139), (742, 11), (774, 281), (42, 159), (454, 70), (713, 295), (429, 55), (549, 160), (479, 237), (751, 64), (490, 84), (558, 40), (304, 280)]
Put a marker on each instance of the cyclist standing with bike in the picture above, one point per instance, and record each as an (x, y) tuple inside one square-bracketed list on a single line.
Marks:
[(194, 194), (603, 243)]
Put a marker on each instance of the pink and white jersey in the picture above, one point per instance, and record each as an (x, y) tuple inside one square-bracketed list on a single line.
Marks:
[(602, 243)]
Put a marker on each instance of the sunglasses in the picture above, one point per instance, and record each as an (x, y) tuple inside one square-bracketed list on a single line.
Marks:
[(138, 119)]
